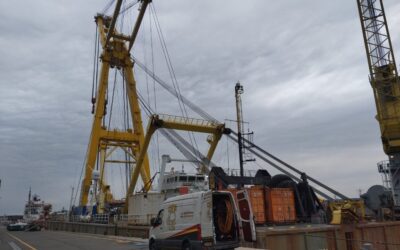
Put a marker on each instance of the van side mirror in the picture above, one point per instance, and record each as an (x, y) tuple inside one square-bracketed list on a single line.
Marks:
[(153, 222)]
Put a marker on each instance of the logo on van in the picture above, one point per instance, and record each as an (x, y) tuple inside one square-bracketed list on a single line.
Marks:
[(171, 219)]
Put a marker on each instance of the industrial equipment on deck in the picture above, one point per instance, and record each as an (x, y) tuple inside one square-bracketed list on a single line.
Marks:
[(307, 205)]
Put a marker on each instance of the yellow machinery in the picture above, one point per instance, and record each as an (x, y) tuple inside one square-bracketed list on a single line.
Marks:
[(346, 211), (115, 53), (104, 141), (216, 130), (384, 79)]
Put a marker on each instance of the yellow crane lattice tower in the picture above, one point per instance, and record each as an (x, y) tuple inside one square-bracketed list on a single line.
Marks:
[(115, 54)]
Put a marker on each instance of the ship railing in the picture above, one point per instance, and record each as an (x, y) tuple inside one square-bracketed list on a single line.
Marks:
[(101, 218), (143, 219), (59, 217), (236, 172), (97, 218), (121, 218)]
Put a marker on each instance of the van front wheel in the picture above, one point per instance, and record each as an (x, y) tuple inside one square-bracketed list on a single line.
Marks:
[(186, 246), (152, 245)]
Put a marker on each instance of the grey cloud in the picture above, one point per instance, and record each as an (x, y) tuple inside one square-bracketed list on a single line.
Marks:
[(302, 64)]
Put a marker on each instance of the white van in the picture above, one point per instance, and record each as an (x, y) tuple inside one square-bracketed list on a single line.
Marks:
[(201, 220)]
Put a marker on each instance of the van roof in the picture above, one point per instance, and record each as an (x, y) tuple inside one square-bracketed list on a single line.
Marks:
[(186, 196), (194, 195)]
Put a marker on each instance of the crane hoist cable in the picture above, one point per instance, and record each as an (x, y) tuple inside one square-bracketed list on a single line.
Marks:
[(94, 69), (93, 100), (107, 7), (128, 6), (112, 98), (206, 116), (154, 89), (166, 86), (171, 70)]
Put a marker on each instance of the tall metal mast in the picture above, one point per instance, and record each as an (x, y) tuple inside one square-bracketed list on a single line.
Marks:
[(384, 80), (239, 114)]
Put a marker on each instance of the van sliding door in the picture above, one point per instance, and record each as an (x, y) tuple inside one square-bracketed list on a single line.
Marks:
[(246, 216)]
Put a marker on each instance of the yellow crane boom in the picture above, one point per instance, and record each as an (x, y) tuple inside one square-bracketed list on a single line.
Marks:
[(177, 123), (385, 82)]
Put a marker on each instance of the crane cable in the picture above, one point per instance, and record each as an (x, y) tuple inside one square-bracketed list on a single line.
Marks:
[(179, 142), (112, 99), (207, 116), (163, 84), (107, 7), (93, 101), (171, 71), (127, 7), (152, 146), (154, 90)]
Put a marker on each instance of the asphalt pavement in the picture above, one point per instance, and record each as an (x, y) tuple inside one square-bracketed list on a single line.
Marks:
[(49, 240)]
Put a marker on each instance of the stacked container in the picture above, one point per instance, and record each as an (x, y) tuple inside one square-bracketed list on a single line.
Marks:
[(270, 205), (257, 200), (280, 207)]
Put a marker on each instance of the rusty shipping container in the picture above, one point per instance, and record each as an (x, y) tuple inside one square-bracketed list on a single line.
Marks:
[(257, 200), (280, 206)]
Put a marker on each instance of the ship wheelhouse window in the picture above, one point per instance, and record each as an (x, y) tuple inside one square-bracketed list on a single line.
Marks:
[(176, 178), (182, 178), (192, 178), (200, 178)]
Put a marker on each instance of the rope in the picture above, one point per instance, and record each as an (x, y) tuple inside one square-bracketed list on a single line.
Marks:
[(225, 222)]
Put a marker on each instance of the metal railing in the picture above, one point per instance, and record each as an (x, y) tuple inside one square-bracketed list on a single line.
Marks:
[(187, 120), (106, 218)]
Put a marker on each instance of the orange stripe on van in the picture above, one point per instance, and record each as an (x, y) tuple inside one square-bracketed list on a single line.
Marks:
[(189, 230)]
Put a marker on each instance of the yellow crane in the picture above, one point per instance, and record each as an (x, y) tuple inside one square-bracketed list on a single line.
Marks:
[(104, 141), (216, 130), (115, 54), (385, 82)]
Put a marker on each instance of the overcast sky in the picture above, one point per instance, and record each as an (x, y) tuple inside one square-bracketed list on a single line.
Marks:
[(302, 65)]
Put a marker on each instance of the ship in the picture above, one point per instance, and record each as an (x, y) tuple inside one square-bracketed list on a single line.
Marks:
[(35, 209)]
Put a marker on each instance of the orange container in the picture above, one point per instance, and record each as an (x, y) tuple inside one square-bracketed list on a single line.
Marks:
[(257, 201), (280, 207)]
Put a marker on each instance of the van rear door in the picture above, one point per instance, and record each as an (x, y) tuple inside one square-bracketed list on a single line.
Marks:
[(246, 216), (206, 218)]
